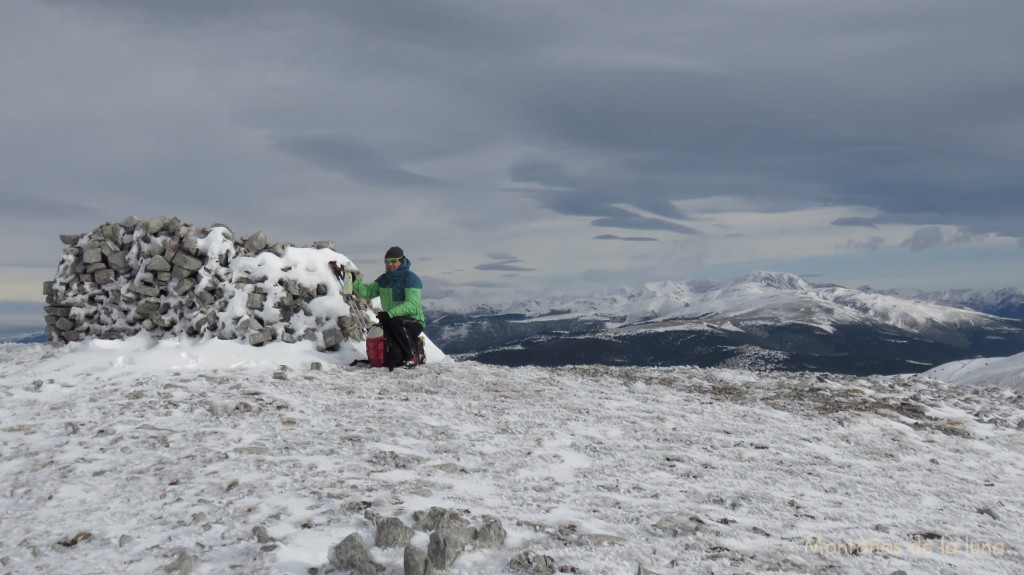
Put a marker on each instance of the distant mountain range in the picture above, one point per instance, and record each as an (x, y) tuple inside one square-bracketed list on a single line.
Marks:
[(1006, 302), (39, 337), (765, 320)]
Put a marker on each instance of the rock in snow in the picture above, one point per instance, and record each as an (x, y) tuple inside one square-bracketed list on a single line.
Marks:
[(170, 278)]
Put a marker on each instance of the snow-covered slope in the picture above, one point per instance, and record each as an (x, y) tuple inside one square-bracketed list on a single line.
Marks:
[(130, 457), (1001, 371)]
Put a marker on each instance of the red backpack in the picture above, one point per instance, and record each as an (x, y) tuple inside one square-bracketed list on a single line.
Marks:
[(375, 346), (382, 353)]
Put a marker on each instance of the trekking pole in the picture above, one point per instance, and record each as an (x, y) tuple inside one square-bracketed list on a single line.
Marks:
[(344, 278)]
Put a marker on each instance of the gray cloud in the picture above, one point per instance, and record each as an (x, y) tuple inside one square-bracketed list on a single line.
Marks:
[(351, 158), (871, 244), (487, 284), (625, 239), (502, 256), (284, 116), (584, 196), (505, 263), (903, 134), (46, 208), (933, 237)]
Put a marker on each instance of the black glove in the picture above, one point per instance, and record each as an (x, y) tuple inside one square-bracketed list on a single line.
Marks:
[(338, 270), (383, 317)]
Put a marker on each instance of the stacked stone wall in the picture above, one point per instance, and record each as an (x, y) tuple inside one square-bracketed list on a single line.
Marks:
[(170, 278)]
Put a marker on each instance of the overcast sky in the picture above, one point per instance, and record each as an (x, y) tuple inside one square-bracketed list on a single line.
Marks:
[(509, 147)]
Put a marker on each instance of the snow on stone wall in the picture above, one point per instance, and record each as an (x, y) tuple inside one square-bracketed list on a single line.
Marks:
[(170, 278)]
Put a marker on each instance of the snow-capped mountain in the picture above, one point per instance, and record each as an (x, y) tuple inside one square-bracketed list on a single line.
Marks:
[(1006, 302), (764, 319)]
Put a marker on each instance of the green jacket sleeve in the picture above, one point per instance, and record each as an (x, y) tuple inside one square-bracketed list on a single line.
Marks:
[(365, 291)]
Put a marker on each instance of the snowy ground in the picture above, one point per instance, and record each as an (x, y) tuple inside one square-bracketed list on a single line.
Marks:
[(127, 458)]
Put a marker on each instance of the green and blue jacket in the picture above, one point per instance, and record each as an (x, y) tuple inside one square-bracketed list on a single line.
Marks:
[(400, 292)]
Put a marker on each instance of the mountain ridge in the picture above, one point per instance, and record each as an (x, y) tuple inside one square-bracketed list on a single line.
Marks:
[(826, 327)]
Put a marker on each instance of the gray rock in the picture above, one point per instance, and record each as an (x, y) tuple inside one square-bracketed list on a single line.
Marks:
[(59, 311), (600, 539), (679, 527), (190, 243), (397, 461), (147, 307), (352, 556), (183, 260), (172, 226), (144, 289), (178, 272), (415, 562), (255, 243), (445, 547), (130, 223), (264, 335), (156, 224), (990, 512), (92, 255), (256, 300), (184, 286), (261, 535), (391, 532), (332, 338), (183, 564), (158, 264), (492, 534), (103, 277), (532, 563), (438, 518), (247, 326), (118, 262), (108, 247)]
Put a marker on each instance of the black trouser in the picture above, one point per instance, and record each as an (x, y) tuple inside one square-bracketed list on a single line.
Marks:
[(402, 330)]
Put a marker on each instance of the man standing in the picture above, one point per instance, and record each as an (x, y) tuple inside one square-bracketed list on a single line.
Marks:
[(401, 301)]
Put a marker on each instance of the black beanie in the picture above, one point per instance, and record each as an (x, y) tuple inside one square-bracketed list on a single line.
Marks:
[(395, 252)]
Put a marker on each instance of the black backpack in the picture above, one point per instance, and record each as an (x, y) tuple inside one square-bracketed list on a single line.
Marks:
[(393, 353)]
